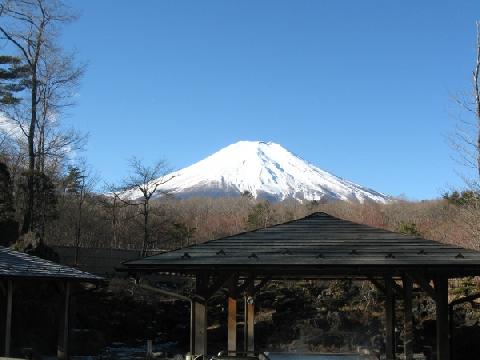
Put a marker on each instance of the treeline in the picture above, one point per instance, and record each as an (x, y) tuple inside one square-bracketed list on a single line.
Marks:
[(177, 223), (70, 213)]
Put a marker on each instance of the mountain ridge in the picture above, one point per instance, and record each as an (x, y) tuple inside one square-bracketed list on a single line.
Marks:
[(266, 170)]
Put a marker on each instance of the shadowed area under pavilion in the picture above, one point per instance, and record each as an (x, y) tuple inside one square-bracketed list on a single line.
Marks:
[(318, 246), (19, 271)]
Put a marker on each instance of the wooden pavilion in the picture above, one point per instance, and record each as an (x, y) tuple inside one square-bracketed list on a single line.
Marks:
[(19, 268), (318, 246)]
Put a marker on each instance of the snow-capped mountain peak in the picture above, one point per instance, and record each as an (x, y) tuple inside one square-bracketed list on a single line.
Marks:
[(266, 170)]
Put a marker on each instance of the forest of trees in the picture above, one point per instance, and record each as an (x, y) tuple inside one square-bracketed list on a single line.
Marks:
[(48, 196)]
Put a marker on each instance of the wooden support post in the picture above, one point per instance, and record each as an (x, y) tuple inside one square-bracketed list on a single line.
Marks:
[(64, 326), (408, 318), (390, 320), (200, 315), (232, 326), (200, 332), (232, 315), (251, 325), (8, 318), (192, 327), (451, 329), (249, 339), (441, 302)]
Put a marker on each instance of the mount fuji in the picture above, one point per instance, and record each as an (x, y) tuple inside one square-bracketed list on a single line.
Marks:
[(264, 169)]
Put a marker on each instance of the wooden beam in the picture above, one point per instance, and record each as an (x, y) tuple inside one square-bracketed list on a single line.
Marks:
[(8, 319), (201, 285), (247, 284), (441, 302), (398, 290), (380, 287), (469, 298), (408, 318), (390, 320), (423, 283), (217, 284), (232, 326), (234, 289), (64, 326), (232, 286), (262, 283)]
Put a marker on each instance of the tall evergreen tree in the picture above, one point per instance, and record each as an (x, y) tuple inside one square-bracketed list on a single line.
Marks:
[(13, 80)]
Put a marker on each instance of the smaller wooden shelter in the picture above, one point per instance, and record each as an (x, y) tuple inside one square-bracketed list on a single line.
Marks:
[(318, 246), (17, 267)]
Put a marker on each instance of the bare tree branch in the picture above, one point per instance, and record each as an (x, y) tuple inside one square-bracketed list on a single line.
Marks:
[(147, 180)]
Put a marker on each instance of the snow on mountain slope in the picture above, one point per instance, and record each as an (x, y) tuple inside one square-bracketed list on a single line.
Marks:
[(266, 170)]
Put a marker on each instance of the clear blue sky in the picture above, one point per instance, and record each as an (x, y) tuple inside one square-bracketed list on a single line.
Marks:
[(359, 88)]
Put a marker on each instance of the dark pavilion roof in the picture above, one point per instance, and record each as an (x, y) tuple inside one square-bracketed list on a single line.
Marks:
[(318, 245), (15, 264)]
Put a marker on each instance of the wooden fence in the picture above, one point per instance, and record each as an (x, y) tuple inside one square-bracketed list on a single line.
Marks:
[(95, 260)]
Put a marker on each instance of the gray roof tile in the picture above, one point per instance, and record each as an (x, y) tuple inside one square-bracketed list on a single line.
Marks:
[(318, 241), (21, 265)]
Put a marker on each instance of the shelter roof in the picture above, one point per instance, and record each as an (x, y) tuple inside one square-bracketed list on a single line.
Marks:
[(318, 244), (15, 264)]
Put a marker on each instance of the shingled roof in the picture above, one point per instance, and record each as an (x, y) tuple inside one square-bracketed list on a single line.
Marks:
[(317, 245), (15, 264)]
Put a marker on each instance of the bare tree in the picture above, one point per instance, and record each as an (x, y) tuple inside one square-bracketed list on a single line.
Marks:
[(59, 78), (143, 183), (466, 139), (31, 27), (113, 203), (476, 95), (79, 185), (466, 143)]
